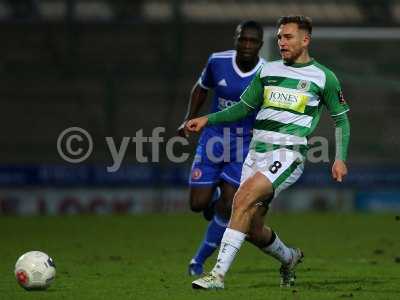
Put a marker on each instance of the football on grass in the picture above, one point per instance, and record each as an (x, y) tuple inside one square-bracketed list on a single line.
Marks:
[(35, 270)]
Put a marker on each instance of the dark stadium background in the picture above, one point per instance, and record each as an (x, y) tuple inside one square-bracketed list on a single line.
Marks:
[(121, 68)]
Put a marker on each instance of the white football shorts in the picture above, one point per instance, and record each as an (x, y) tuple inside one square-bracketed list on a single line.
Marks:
[(282, 167)]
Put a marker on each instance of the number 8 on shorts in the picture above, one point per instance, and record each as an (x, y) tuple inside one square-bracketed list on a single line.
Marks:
[(282, 167)]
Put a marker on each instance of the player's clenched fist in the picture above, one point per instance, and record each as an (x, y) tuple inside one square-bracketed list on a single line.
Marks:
[(339, 170), (195, 125)]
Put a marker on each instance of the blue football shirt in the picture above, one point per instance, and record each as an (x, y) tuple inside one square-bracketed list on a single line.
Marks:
[(228, 82)]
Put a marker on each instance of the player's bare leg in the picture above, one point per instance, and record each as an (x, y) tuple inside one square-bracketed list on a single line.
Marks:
[(259, 234), (245, 203), (200, 197)]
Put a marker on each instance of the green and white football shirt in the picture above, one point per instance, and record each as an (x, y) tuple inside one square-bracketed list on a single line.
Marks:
[(290, 99)]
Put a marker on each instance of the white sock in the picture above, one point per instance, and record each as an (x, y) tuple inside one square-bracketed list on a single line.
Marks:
[(230, 245), (279, 251)]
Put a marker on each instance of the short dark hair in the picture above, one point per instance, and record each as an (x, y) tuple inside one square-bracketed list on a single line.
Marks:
[(250, 24), (302, 22)]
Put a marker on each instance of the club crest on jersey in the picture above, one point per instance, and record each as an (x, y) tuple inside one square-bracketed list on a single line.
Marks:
[(196, 174), (303, 85)]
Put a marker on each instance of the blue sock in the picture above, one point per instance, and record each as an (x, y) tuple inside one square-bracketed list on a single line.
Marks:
[(212, 239)]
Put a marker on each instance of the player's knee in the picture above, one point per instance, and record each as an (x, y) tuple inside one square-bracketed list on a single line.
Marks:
[(195, 206), (197, 203), (242, 201)]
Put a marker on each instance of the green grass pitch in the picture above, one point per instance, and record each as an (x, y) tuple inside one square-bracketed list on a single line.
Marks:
[(348, 256)]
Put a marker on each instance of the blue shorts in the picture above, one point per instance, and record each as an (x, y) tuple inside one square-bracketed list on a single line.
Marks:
[(217, 158)]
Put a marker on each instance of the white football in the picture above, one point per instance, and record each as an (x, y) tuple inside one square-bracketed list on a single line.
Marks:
[(35, 270)]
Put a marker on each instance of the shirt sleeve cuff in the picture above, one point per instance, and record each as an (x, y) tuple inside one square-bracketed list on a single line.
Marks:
[(203, 85)]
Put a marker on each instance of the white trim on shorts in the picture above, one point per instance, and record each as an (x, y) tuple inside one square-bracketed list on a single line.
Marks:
[(229, 179)]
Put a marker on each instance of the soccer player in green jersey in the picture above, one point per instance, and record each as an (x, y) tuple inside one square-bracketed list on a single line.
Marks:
[(290, 94)]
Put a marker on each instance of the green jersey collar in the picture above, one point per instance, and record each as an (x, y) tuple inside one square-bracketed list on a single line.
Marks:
[(300, 65)]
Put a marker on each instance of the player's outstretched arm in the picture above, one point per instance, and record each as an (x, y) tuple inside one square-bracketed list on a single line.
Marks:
[(198, 96), (342, 138), (250, 100), (234, 113)]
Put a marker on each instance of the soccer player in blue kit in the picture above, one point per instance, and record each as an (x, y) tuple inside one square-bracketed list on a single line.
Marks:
[(221, 150)]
